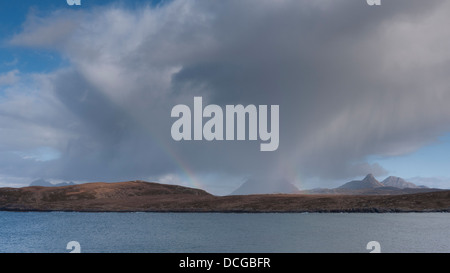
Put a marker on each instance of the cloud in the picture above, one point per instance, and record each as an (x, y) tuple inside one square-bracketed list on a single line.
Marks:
[(46, 32), (431, 182), (351, 82), (9, 78)]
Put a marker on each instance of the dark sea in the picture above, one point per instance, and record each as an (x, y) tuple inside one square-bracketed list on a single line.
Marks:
[(50, 232)]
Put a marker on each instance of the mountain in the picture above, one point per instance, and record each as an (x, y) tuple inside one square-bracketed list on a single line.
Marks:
[(369, 182), (397, 182), (265, 186), (371, 186), (45, 183)]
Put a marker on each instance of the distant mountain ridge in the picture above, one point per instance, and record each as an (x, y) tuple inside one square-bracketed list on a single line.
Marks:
[(392, 185), (45, 183), (265, 186), (370, 182)]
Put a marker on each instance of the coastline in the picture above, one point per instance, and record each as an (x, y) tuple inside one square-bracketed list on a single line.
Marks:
[(353, 211), (140, 196)]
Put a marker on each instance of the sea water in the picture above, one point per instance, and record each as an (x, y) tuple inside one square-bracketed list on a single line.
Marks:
[(50, 232)]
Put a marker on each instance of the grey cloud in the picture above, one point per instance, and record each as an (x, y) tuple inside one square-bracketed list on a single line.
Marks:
[(46, 32), (351, 82), (110, 144), (325, 68)]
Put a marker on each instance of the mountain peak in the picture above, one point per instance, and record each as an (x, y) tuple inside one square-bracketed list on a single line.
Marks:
[(397, 182), (369, 177), (369, 182)]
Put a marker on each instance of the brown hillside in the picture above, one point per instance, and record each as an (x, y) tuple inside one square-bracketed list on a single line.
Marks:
[(145, 196)]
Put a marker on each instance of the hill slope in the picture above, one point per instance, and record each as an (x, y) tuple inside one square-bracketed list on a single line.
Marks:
[(145, 196), (121, 196)]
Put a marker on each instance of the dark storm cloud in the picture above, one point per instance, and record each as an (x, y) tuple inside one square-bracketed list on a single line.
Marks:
[(351, 81), (111, 145), (323, 63)]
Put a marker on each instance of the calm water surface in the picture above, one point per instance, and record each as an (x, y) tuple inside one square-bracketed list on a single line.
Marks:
[(224, 233)]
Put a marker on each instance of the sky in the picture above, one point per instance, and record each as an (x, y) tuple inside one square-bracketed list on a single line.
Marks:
[(86, 91)]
